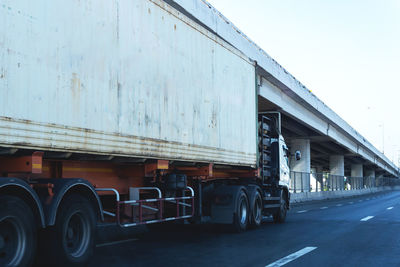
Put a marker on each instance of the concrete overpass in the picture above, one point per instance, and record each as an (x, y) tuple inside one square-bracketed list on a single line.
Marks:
[(327, 142)]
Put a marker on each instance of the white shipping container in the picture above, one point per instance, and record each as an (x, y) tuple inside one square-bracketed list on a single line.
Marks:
[(129, 78)]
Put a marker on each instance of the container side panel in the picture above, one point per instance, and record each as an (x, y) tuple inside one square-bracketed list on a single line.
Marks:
[(131, 78)]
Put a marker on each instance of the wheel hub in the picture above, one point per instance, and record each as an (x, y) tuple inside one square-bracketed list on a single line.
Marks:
[(70, 233), (77, 235)]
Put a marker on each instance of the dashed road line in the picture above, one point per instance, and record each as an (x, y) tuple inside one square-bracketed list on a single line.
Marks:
[(322, 208), (339, 205), (360, 200), (116, 242), (291, 257), (302, 211), (367, 218), (389, 208), (351, 202)]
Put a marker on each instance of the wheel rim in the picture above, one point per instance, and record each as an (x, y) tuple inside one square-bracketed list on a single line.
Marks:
[(257, 210), (12, 241), (243, 211), (77, 235)]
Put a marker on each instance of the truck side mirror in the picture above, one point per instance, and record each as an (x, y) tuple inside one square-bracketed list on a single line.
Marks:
[(297, 155)]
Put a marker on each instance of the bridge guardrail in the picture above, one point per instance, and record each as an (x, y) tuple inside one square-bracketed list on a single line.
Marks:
[(317, 182)]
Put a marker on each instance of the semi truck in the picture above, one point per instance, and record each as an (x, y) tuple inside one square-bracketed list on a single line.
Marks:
[(130, 112)]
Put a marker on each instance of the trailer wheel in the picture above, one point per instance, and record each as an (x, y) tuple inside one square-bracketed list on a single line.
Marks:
[(241, 214), (280, 215), (256, 210), (72, 240), (17, 232)]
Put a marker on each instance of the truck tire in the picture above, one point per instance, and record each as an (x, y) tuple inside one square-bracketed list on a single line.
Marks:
[(241, 213), (256, 209), (280, 215), (71, 241), (17, 232)]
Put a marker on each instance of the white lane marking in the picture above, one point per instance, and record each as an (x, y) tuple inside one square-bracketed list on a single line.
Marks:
[(351, 202), (360, 200), (116, 242), (367, 198), (367, 218), (389, 208), (322, 208), (302, 211), (339, 205), (291, 257)]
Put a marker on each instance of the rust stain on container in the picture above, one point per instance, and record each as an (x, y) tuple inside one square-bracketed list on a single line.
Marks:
[(75, 84)]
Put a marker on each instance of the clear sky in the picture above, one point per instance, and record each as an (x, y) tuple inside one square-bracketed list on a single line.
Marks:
[(347, 52)]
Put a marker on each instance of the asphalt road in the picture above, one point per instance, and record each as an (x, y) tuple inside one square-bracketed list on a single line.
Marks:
[(324, 233)]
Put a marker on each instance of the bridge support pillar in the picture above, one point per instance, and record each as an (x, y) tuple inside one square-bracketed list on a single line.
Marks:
[(336, 165), (320, 169), (303, 165), (313, 179), (336, 169), (316, 179), (357, 180), (370, 178), (357, 170)]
